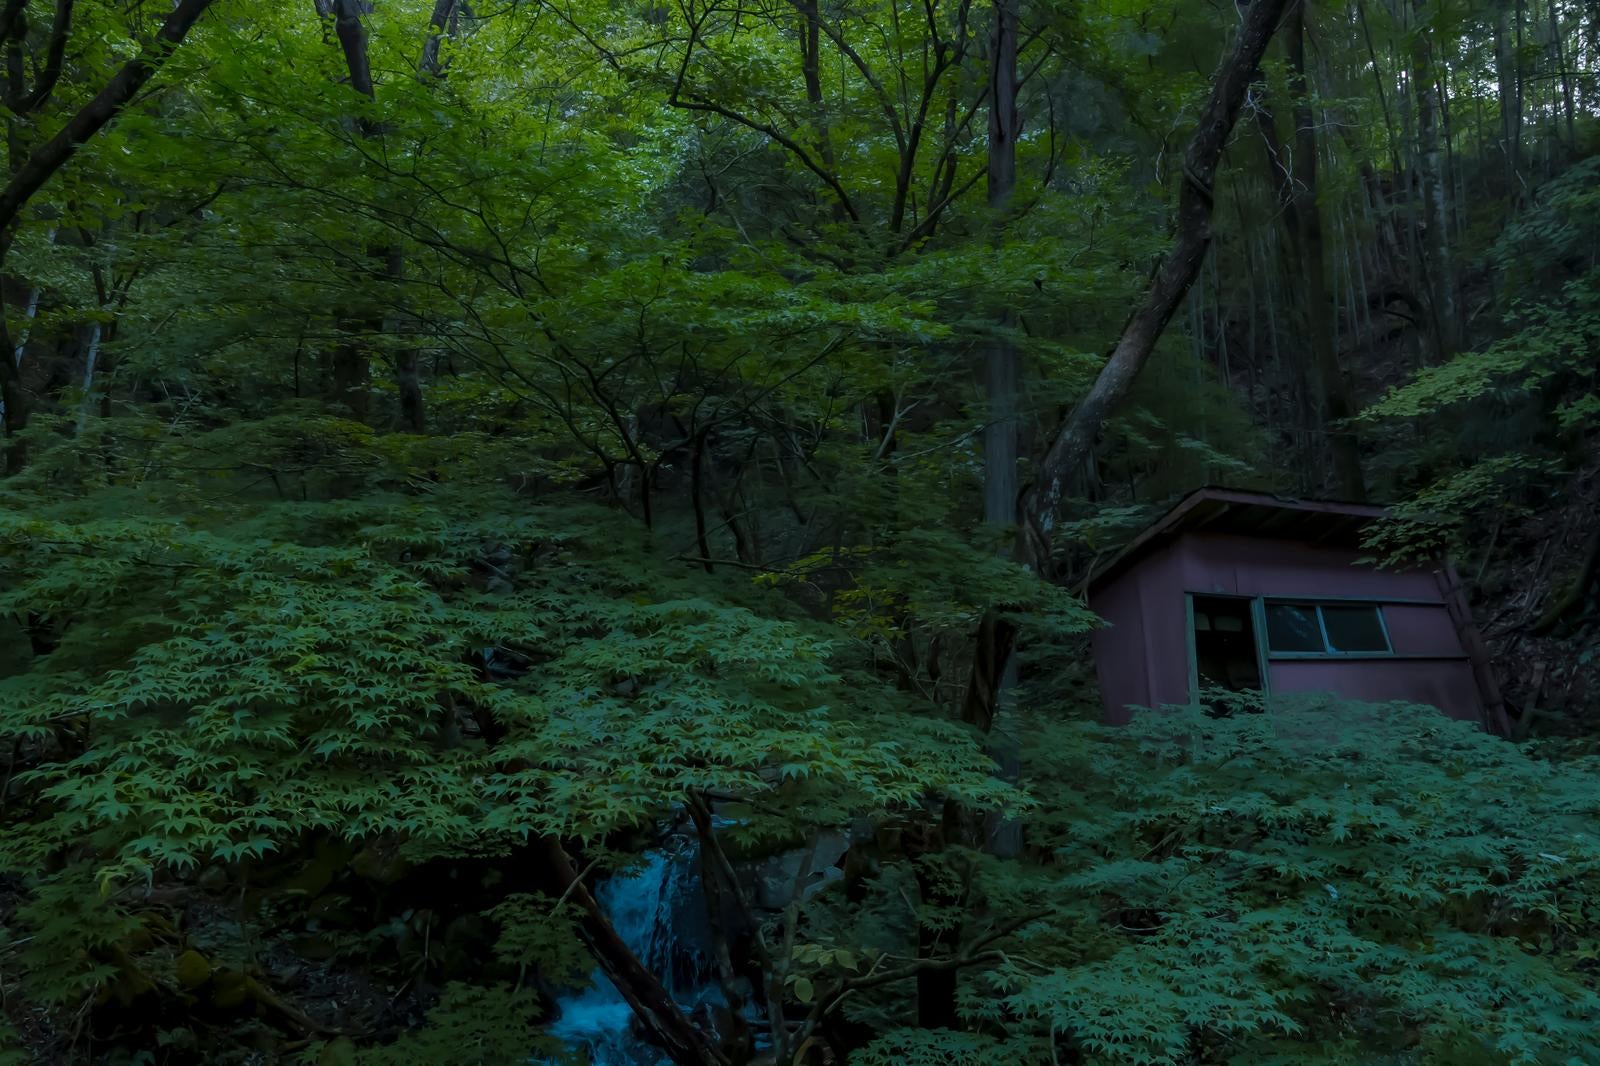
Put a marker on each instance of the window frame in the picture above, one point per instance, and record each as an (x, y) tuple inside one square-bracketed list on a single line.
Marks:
[(1316, 604), (1258, 622), (1265, 656)]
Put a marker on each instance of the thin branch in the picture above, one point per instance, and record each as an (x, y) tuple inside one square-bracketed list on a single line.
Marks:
[(94, 115)]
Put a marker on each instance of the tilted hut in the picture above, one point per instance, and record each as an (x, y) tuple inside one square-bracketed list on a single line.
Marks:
[(1245, 590)]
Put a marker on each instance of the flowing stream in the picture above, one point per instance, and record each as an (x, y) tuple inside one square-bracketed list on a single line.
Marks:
[(659, 910)]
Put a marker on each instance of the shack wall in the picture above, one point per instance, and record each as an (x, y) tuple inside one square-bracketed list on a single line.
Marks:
[(1443, 683), (1142, 654), (1142, 658), (1256, 566)]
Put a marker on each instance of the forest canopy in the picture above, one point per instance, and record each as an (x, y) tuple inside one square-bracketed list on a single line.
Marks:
[(556, 530)]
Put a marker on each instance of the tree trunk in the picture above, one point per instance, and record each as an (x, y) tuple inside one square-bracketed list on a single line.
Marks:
[(1073, 442), (811, 70), (1559, 56), (1002, 373), (351, 357), (28, 178), (991, 698), (90, 358), (1510, 102), (14, 404), (1336, 404), (664, 1023), (442, 23), (1516, 79), (1436, 213), (351, 361)]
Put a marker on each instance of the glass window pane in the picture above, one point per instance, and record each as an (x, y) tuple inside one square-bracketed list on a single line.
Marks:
[(1293, 627), (1354, 629)]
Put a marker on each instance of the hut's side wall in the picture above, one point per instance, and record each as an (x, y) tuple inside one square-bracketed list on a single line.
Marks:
[(1421, 630), (1442, 683), (1166, 626), (1142, 654), (1429, 664), (1119, 655), (1257, 566)]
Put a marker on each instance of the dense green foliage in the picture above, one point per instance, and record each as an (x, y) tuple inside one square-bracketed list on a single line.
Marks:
[(1535, 386), (575, 439)]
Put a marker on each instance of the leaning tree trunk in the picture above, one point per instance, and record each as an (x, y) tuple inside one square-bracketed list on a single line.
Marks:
[(1073, 442), (43, 162), (665, 1024)]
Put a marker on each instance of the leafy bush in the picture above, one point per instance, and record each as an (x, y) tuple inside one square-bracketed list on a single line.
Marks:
[(1323, 882), (215, 699)]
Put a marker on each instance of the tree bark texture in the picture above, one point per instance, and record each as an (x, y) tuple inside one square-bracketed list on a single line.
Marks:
[(1506, 89), (1336, 404), (351, 362), (664, 1023), (1073, 441), (14, 399), (446, 16), (1002, 375), (52, 155), (19, 99), (1434, 191), (1001, 363), (1072, 444), (445, 21), (94, 115)]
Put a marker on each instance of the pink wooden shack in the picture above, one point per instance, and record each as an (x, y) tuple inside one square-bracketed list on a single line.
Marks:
[(1244, 590)]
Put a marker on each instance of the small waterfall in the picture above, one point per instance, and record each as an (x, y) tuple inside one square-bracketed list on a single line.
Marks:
[(659, 910)]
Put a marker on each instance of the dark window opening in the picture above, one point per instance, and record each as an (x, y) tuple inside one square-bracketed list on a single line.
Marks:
[(1354, 629), (1225, 644), (1293, 627), (1326, 629)]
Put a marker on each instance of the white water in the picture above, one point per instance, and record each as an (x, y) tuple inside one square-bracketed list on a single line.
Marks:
[(658, 911)]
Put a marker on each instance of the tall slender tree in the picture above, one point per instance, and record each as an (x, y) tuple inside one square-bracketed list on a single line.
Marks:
[(1434, 190), (1002, 376), (1072, 444), (1302, 213)]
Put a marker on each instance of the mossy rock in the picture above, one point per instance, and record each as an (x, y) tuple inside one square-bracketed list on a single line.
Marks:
[(340, 1051), (129, 984), (213, 879), (192, 969), (231, 989), (328, 859)]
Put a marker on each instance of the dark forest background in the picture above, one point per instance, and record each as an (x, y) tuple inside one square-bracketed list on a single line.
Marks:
[(458, 453)]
